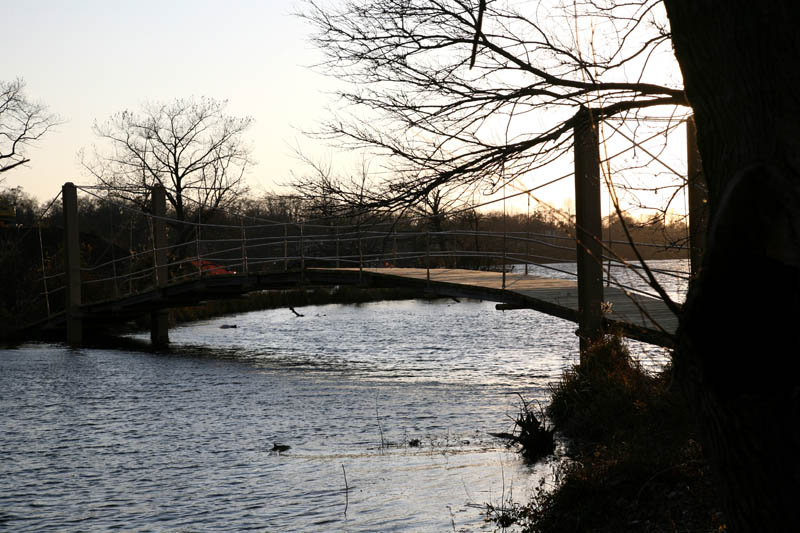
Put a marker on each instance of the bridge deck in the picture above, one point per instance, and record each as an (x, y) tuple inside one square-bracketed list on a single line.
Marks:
[(638, 316), (635, 316)]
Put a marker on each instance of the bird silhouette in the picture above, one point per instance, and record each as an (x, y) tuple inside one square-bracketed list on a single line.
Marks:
[(279, 448)]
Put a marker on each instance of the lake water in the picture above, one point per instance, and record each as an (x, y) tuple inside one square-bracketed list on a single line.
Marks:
[(94, 439)]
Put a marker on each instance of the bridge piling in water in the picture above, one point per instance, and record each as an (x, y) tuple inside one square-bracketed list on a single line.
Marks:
[(588, 232), (72, 258), (159, 318)]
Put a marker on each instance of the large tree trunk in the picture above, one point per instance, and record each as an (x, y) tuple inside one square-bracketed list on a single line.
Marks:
[(739, 347)]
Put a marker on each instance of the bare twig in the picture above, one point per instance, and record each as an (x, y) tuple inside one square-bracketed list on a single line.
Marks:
[(346, 491), (378, 418)]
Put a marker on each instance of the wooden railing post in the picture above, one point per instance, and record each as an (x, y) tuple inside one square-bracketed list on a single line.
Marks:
[(698, 199), (302, 248), (503, 285), (197, 257), (302, 254), (72, 258), (244, 247), (159, 319), (360, 255), (528, 235), (427, 256), (338, 263), (588, 231), (286, 247)]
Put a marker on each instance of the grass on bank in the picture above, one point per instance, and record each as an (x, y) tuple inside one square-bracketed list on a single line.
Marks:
[(636, 464)]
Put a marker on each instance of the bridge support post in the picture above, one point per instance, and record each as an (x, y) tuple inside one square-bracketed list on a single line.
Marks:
[(159, 319), (72, 256), (588, 231), (698, 199)]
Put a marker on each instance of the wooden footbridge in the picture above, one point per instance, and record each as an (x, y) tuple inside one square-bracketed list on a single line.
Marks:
[(634, 315), (268, 255)]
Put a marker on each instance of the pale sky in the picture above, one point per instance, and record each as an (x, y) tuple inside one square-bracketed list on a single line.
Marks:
[(89, 59)]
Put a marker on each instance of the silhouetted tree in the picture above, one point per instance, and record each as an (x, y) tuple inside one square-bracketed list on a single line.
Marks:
[(23, 205), (738, 345), (190, 147), (22, 122)]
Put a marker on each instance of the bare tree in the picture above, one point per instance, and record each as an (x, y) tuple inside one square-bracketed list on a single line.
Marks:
[(433, 83), (190, 147), (22, 122), (466, 98)]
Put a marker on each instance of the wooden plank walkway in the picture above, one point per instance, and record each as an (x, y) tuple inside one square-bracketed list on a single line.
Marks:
[(638, 316)]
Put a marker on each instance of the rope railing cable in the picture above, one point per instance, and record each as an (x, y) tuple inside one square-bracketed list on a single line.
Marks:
[(324, 239), (44, 277), (38, 220)]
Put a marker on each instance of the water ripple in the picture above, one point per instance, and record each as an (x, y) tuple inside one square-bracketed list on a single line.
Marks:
[(97, 439)]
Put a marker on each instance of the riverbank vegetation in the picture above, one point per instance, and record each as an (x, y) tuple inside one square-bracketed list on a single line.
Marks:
[(635, 462)]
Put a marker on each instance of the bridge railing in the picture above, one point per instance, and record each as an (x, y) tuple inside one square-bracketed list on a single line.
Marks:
[(196, 251)]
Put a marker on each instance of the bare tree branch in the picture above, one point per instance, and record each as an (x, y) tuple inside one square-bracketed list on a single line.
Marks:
[(22, 123), (432, 83), (190, 147)]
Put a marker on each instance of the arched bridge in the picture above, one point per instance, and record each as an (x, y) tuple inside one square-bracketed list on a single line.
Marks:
[(636, 316), (154, 262)]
